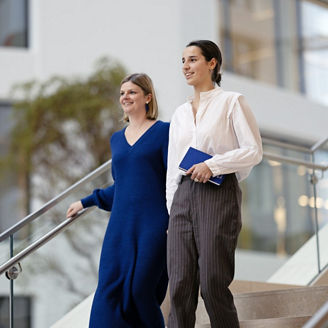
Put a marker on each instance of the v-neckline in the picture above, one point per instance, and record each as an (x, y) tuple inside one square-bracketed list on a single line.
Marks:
[(141, 137)]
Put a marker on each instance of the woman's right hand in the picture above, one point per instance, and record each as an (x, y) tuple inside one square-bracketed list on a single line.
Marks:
[(74, 208)]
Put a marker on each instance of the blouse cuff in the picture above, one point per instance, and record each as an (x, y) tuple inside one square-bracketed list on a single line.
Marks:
[(212, 166)]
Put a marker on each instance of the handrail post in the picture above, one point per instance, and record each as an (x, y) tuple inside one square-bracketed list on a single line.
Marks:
[(316, 222), (11, 282)]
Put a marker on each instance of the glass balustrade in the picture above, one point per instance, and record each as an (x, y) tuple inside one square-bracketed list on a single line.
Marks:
[(279, 219), (322, 207)]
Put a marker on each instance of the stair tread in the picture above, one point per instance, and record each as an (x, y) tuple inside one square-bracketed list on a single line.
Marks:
[(289, 322), (279, 304), (286, 322), (248, 286), (288, 291)]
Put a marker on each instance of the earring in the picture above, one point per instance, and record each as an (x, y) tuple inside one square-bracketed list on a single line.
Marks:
[(147, 107)]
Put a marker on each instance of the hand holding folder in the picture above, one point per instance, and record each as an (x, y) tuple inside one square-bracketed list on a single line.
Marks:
[(195, 156)]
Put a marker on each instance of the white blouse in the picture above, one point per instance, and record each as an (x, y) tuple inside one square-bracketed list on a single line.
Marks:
[(224, 128)]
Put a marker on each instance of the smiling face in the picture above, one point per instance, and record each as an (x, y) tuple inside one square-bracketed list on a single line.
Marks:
[(196, 69), (133, 99)]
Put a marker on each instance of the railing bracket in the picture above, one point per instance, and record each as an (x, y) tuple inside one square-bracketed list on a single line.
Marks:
[(314, 179), (14, 271)]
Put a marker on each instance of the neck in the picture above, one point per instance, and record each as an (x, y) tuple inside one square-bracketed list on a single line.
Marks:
[(137, 120), (206, 86), (203, 88)]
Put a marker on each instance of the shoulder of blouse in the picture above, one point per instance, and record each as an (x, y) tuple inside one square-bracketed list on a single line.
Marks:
[(181, 110), (230, 100), (231, 94)]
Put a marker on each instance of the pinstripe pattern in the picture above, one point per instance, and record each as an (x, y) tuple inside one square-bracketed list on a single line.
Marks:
[(203, 230)]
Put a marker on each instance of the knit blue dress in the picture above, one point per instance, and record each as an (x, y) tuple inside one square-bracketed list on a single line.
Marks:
[(132, 272)]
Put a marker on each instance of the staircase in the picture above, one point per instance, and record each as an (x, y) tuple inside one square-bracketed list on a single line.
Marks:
[(265, 306)]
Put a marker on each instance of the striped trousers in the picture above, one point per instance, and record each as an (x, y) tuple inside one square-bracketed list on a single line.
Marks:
[(204, 225)]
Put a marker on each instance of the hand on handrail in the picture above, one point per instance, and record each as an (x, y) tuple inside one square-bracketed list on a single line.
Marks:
[(73, 209)]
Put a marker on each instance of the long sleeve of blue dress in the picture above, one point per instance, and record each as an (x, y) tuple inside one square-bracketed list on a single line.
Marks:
[(103, 198)]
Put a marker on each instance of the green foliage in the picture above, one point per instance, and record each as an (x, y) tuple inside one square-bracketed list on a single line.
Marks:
[(62, 126)]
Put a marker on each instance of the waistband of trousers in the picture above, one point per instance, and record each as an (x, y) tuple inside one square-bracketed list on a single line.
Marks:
[(188, 178)]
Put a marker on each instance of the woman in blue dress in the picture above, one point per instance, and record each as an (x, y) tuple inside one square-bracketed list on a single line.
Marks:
[(132, 273)]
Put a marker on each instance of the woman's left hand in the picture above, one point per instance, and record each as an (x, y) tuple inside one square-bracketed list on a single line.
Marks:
[(200, 172)]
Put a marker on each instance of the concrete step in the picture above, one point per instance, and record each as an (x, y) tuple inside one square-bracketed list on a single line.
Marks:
[(296, 302), (246, 286), (291, 322)]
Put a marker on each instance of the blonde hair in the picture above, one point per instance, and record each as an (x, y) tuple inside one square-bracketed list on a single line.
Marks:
[(143, 81)]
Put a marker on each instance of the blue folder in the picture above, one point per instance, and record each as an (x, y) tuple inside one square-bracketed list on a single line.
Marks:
[(195, 156)]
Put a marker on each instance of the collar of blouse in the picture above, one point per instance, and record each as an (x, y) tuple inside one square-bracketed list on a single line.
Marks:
[(206, 95)]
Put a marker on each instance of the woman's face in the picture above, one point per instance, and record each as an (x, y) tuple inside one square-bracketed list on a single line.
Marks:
[(132, 98), (195, 68)]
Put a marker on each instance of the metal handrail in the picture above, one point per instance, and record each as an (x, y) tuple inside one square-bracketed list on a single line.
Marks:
[(291, 146), (41, 241), (286, 145), (319, 319), (29, 218), (291, 160)]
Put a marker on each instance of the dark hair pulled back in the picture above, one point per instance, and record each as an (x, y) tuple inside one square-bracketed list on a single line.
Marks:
[(210, 50)]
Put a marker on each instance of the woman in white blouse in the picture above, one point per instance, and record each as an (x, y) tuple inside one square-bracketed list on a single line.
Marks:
[(205, 218)]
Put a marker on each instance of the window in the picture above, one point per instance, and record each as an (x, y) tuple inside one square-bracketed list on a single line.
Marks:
[(249, 34), (14, 23), (22, 312), (315, 49), (284, 43)]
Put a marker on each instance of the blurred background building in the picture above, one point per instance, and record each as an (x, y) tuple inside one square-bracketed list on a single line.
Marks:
[(274, 52)]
